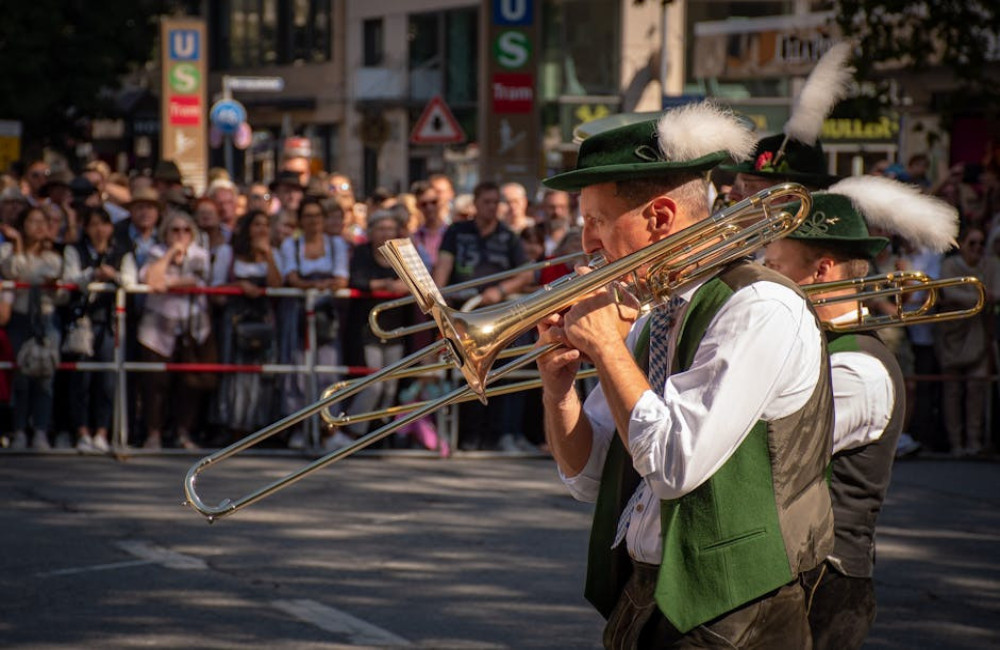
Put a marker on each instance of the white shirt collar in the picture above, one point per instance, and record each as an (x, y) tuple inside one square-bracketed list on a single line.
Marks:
[(849, 317)]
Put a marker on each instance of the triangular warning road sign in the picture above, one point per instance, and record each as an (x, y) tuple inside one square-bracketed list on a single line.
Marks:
[(437, 125)]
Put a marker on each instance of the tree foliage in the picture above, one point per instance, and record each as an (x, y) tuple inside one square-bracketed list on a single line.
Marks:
[(62, 60), (961, 35)]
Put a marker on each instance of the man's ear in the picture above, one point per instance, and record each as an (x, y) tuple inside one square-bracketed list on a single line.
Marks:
[(662, 214), (825, 270)]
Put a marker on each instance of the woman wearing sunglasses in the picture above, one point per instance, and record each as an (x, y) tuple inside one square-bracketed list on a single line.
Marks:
[(168, 319)]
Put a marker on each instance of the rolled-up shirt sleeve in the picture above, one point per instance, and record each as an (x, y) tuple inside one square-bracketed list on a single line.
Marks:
[(759, 359), (585, 485), (863, 397)]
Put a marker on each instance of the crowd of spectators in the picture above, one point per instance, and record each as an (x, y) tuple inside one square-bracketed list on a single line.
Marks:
[(303, 230), (950, 363), (308, 230)]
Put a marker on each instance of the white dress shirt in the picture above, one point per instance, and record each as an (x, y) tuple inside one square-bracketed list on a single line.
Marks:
[(863, 397), (759, 359)]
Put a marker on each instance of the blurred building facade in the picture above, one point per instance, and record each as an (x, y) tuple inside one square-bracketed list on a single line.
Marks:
[(358, 74)]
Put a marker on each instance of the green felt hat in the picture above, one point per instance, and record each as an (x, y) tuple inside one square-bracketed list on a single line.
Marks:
[(687, 140), (835, 220), (798, 163)]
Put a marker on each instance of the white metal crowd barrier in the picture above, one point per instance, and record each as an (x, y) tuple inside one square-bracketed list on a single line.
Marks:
[(121, 367)]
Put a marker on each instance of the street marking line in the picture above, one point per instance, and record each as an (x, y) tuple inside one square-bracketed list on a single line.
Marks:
[(95, 567), (334, 620), (160, 555)]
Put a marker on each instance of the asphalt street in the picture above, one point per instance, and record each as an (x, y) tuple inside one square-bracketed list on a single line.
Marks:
[(403, 552)]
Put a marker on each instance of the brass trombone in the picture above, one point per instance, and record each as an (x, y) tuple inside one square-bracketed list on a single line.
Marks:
[(452, 290), (474, 340), (897, 286)]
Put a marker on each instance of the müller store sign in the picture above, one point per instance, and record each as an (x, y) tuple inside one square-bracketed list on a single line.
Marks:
[(758, 48)]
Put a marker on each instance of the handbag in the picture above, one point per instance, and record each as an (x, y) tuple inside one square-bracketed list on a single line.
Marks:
[(254, 337), (79, 337), (38, 356), (327, 321), (189, 350)]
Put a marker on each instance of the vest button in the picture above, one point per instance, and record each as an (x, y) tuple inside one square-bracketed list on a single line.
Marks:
[(638, 507)]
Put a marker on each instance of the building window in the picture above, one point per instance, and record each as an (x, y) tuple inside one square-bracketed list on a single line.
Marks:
[(444, 55), (271, 32), (373, 43), (581, 45), (311, 31)]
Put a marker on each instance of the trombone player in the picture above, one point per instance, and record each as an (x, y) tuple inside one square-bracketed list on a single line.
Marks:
[(705, 443), (834, 244)]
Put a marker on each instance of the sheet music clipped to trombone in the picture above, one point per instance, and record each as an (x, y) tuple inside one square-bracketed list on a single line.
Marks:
[(403, 257)]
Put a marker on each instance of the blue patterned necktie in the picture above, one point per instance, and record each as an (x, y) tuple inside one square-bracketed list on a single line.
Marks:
[(659, 338)]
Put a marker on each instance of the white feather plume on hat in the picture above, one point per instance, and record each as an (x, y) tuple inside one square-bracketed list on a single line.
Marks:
[(696, 130), (903, 210), (827, 84)]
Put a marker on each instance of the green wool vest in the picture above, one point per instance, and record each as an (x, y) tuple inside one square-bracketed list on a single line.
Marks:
[(759, 521)]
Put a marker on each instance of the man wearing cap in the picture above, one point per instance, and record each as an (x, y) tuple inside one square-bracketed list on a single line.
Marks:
[(834, 244), (705, 443), (166, 176), (138, 233), (289, 191)]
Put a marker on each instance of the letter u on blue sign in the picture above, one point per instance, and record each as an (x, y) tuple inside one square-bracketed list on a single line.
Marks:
[(513, 12), (184, 45)]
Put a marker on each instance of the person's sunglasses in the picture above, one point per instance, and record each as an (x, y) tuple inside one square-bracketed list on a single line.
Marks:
[(427, 204), (180, 229)]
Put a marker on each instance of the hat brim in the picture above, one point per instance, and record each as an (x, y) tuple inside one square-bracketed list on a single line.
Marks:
[(817, 181), (868, 247), (577, 179), (133, 202), (273, 185)]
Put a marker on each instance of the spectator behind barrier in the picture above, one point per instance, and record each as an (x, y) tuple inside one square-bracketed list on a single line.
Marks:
[(964, 349), (371, 272), (247, 401), (32, 260), (311, 261), (177, 262), (94, 259)]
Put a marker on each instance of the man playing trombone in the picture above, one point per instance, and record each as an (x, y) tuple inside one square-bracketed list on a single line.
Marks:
[(834, 245), (705, 444)]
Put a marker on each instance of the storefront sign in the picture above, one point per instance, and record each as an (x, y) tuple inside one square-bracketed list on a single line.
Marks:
[(760, 48), (183, 137)]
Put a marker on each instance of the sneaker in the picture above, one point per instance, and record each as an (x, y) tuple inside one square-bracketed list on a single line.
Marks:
[(153, 441), (20, 441), (85, 444), (184, 441), (101, 445), (338, 440), (64, 440), (907, 446), (40, 441), (507, 443)]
